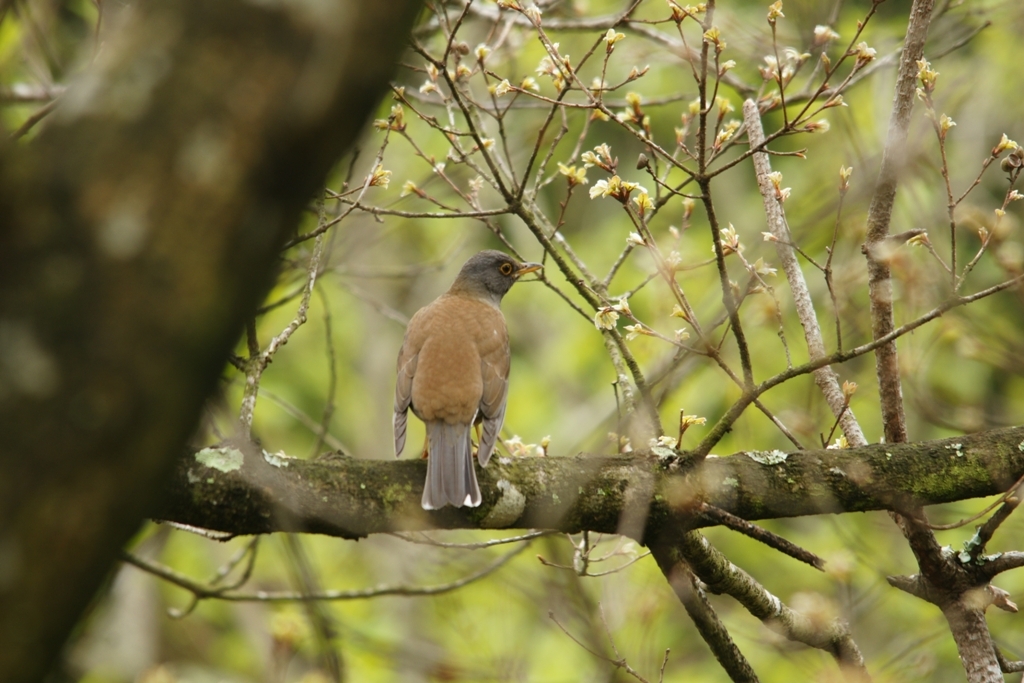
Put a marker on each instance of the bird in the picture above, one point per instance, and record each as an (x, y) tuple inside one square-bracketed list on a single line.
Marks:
[(453, 372)]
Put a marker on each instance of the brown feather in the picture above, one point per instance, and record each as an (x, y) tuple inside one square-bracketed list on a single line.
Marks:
[(453, 371), (454, 339)]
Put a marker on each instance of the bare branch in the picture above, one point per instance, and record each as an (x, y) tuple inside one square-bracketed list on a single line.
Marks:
[(691, 593), (879, 214), (824, 377), (258, 360), (351, 498), (713, 514), (204, 592), (722, 576), (422, 539)]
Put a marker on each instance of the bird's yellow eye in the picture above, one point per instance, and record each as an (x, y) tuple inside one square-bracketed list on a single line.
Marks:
[(506, 268)]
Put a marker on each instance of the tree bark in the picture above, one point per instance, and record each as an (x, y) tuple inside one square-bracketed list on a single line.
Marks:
[(139, 230), (973, 641), (248, 491), (690, 592)]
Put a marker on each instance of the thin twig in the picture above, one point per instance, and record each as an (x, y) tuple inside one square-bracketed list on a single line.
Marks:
[(988, 529), (35, 118), (203, 592), (305, 420), (762, 535), (619, 663), (258, 360), (988, 508), (332, 376), (325, 632), (427, 540), (824, 377)]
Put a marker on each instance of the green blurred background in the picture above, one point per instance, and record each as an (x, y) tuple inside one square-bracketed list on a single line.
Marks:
[(962, 372)]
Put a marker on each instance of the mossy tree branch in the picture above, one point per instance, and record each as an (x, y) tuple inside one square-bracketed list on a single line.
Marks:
[(248, 492)]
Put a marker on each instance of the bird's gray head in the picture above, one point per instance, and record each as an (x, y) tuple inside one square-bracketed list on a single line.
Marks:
[(490, 274)]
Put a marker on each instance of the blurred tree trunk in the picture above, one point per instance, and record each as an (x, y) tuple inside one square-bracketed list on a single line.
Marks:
[(137, 233)]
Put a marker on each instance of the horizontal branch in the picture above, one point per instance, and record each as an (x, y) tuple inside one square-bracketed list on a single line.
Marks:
[(202, 592), (448, 215), (254, 492)]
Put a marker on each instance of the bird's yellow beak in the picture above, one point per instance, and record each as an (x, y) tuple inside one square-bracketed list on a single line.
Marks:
[(528, 268)]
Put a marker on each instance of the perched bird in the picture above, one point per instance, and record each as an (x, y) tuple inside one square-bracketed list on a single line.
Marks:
[(453, 372)]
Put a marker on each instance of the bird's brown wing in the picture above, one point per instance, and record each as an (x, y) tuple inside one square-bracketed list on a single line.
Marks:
[(408, 358), (494, 368)]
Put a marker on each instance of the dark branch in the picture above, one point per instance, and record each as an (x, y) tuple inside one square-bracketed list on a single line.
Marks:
[(632, 495)]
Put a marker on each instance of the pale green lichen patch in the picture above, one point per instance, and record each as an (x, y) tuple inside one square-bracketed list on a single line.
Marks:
[(773, 457), (278, 459), (958, 448), (508, 509), (663, 452), (223, 459), (731, 482)]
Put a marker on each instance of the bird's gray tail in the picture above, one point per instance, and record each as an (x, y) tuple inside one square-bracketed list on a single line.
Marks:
[(451, 479)]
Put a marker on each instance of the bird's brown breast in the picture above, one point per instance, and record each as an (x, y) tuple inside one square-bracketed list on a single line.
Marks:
[(462, 348)]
